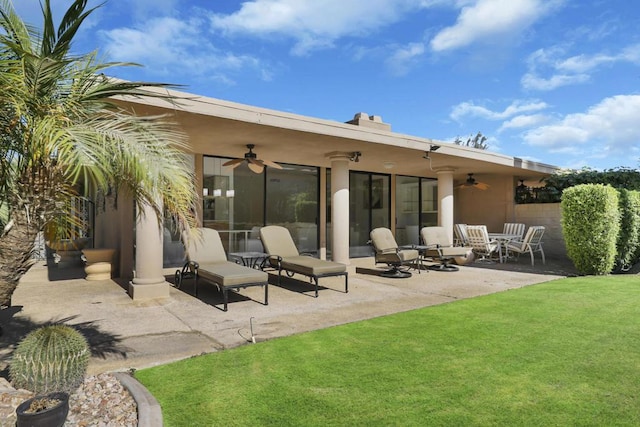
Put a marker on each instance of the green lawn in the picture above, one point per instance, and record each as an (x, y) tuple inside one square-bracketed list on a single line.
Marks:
[(562, 353)]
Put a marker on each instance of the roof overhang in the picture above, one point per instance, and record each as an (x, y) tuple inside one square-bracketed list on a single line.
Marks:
[(223, 128)]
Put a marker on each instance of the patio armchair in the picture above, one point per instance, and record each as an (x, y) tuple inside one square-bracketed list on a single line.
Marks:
[(482, 246), (284, 256), (531, 243), (207, 259), (440, 248), (514, 228), (388, 252)]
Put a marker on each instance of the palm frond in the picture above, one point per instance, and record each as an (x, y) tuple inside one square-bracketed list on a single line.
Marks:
[(16, 30)]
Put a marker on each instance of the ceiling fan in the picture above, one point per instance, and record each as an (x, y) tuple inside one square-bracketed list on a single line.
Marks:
[(256, 165), (472, 183)]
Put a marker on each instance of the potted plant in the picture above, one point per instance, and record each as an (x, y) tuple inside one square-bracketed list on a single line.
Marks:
[(51, 362), (46, 410)]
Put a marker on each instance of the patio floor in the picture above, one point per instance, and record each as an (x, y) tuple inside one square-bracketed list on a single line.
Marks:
[(125, 334)]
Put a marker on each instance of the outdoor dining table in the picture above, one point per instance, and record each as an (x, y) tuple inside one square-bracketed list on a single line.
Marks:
[(503, 239)]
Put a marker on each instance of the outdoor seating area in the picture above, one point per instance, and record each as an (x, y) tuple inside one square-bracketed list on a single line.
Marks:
[(207, 259), (505, 245)]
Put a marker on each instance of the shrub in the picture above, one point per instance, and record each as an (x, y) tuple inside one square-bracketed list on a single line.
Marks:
[(590, 226), (49, 359), (628, 245)]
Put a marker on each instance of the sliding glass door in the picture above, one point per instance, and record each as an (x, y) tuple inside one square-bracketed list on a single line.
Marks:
[(416, 207), (292, 202), (237, 202), (369, 208)]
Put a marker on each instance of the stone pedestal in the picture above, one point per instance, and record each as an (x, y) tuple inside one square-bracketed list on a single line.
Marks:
[(99, 263)]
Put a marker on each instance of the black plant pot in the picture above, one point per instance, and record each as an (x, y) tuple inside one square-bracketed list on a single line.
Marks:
[(50, 417)]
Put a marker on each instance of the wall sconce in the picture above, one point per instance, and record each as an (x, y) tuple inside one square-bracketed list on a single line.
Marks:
[(231, 193), (205, 191), (217, 192), (432, 148), (355, 156)]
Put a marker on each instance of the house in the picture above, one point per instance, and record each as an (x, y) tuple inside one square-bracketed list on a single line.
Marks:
[(338, 181)]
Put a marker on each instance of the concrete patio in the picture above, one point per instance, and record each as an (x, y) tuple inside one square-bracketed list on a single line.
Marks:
[(126, 335)]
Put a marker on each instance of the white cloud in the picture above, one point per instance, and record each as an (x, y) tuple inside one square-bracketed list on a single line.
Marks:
[(488, 19), (570, 70), (585, 63), (523, 121), (313, 24), (399, 62), (535, 82), (172, 46), (612, 125), (517, 107)]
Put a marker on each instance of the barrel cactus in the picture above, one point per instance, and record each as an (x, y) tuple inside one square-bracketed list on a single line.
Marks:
[(50, 359)]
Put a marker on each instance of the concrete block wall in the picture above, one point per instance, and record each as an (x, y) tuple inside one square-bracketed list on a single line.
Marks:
[(548, 215)]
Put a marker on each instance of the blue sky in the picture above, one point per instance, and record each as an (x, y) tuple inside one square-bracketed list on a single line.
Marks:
[(555, 81)]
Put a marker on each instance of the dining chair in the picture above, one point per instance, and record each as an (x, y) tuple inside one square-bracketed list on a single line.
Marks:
[(461, 238), (514, 228), (485, 248), (531, 243)]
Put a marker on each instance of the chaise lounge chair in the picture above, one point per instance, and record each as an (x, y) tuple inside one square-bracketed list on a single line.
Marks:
[(207, 259), (388, 252), (284, 256), (439, 247)]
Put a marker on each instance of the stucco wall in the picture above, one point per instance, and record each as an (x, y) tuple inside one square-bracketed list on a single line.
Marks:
[(492, 207), (548, 215)]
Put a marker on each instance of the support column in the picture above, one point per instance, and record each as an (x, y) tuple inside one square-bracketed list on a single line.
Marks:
[(445, 201), (148, 282), (340, 206), (322, 226)]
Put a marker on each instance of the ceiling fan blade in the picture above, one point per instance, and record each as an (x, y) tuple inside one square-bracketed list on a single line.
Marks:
[(256, 167), (256, 162), (481, 186), (234, 165), (235, 162), (271, 164)]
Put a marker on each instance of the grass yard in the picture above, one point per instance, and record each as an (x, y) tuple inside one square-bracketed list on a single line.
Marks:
[(561, 353)]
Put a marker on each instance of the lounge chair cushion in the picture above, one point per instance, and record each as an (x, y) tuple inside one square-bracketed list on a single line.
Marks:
[(231, 274), (277, 241), (205, 247), (310, 266), (384, 241)]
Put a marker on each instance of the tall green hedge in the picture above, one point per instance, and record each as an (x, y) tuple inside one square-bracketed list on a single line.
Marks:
[(628, 245), (590, 226)]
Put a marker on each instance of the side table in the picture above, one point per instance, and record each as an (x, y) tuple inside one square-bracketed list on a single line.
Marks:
[(249, 259)]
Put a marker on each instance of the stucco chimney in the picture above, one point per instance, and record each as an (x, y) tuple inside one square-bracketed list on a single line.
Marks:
[(375, 122)]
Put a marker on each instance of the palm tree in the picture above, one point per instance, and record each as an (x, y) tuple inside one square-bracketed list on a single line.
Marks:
[(62, 135)]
